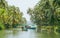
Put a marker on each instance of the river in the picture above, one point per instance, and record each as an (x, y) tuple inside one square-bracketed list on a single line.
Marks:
[(17, 33)]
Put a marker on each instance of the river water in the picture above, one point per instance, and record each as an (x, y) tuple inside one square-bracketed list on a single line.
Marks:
[(17, 33)]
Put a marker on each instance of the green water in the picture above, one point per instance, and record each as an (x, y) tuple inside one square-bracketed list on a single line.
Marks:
[(17, 33)]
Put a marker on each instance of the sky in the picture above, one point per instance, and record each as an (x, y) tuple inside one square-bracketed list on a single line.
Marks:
[(23, 6)]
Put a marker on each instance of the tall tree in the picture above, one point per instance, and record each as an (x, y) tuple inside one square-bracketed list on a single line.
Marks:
[(46, 12)]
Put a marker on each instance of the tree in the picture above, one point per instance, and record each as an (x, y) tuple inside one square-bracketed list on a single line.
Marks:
[(2, 12), (45, 13), (9, 15)]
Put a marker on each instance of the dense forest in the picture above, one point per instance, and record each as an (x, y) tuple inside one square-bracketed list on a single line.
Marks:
[(10, 16), (46, 13)]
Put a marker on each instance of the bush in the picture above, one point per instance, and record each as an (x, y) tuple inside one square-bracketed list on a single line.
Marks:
[(1, 26), (58, 30)]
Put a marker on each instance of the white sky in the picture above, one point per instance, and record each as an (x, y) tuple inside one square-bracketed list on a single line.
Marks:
[(23, 5)]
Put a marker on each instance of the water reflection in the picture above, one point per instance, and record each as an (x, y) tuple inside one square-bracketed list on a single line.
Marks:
[(27, 34)]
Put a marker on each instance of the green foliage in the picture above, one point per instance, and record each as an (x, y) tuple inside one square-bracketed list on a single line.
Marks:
[(9, 15), (1, 26), (46, 12)]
